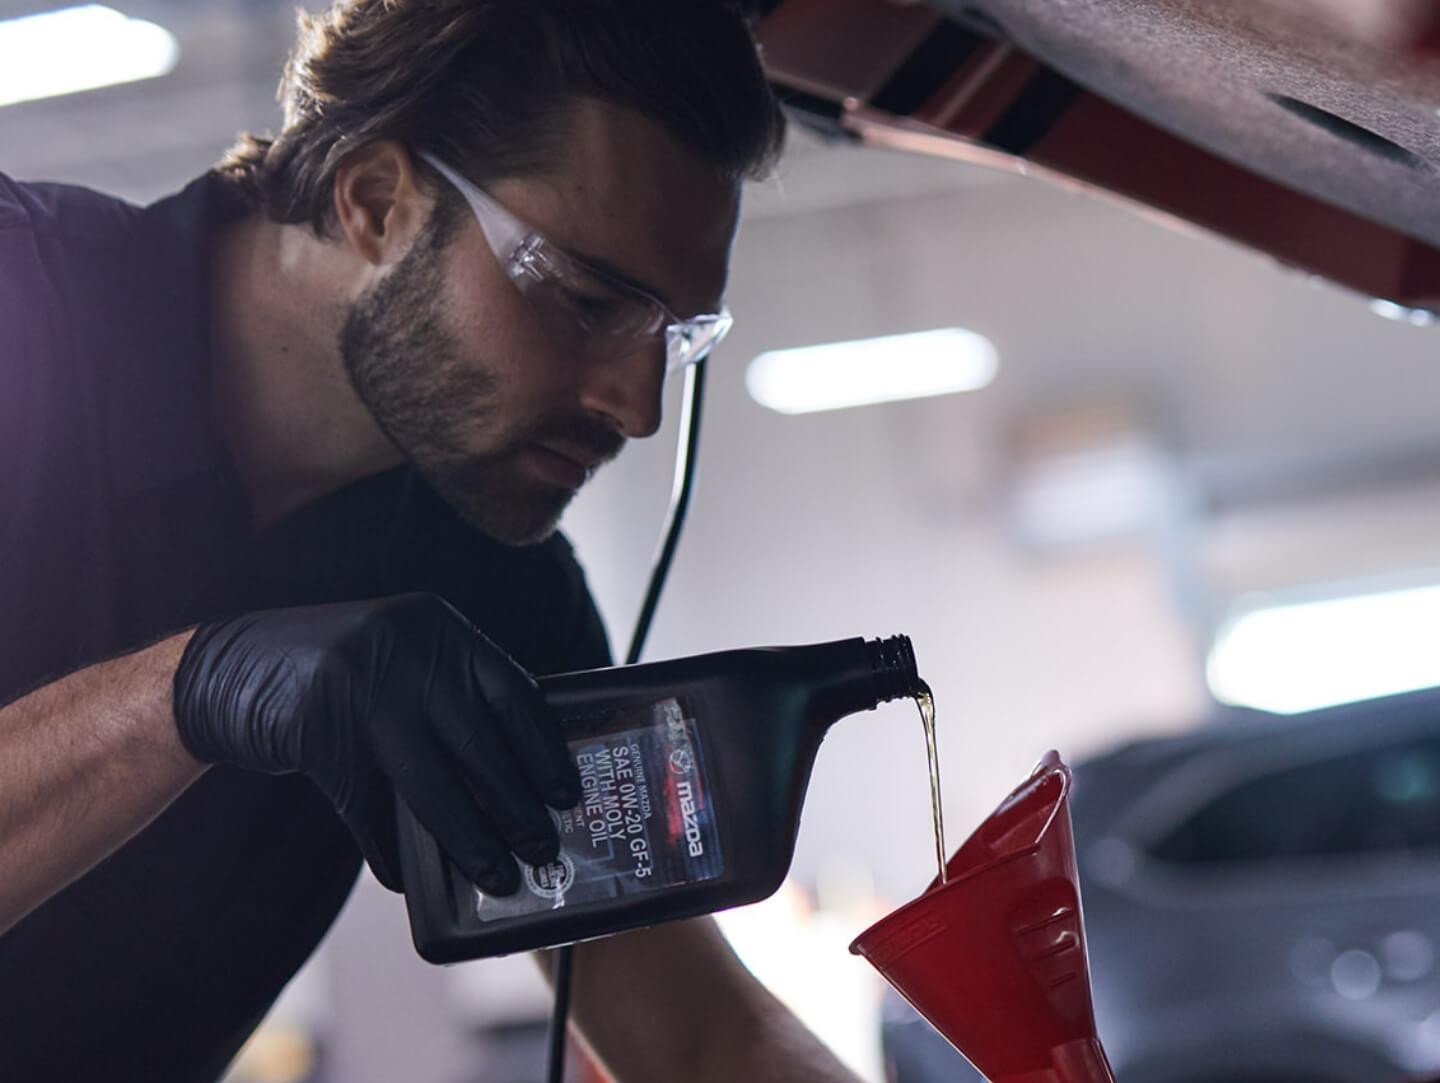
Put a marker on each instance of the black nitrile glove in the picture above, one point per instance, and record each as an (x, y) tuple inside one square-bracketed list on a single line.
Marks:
[(370, 699)]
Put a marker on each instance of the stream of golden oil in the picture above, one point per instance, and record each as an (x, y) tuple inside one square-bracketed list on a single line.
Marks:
[(925, 700)]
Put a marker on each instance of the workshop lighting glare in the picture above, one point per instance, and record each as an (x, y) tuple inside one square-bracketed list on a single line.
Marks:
[(79, 48), (1302, 657), (841, 374), (1415, 317)]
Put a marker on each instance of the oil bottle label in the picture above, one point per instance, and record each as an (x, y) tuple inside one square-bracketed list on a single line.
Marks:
[(646, 821)]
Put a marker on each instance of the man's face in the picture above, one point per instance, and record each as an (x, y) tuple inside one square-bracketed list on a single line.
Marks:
[(505, 417)]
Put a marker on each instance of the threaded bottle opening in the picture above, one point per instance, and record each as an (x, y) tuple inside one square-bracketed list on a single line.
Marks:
[(892, 660)]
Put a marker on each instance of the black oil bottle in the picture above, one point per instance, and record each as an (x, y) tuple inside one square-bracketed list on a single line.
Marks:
[(693, 770)]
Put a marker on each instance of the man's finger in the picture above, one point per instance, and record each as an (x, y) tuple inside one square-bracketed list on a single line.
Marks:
[(425, 779), (469, 732), (528, 723), (372, 822)]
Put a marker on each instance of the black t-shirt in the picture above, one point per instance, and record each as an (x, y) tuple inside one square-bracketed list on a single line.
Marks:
[(121, 520)]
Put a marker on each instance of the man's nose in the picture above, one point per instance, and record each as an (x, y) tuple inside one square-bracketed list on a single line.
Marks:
[(626, 389)]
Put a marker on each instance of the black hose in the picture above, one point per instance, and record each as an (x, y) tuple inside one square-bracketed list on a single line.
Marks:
[(685, 455)]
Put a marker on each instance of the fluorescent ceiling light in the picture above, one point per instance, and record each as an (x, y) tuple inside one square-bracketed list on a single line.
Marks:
[(889, 369), (79, 48), (1301, 657)]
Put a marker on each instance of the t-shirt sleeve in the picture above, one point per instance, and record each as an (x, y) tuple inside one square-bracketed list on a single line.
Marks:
[(24, 312), (47, 451)]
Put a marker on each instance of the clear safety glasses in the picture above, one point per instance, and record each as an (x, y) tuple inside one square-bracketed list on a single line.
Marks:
[(586, 305)]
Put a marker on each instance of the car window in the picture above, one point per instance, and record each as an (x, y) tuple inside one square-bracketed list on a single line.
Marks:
[(1384, 800)]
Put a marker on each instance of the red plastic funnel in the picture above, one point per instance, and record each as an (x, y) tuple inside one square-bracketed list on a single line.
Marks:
[(995, 958)]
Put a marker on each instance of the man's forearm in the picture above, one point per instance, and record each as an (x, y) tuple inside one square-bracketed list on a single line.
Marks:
[(674, 1002), (85, 763)]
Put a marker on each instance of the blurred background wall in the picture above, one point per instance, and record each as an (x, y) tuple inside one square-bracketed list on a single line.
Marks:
[(1276, 434)]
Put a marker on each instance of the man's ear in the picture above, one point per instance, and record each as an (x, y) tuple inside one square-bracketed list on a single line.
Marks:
[(379, 205)]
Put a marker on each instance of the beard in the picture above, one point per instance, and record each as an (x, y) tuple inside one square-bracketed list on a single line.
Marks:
[(407, 368)]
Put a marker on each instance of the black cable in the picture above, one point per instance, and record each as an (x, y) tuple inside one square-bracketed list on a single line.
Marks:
[(685, 455), (559, 1015)]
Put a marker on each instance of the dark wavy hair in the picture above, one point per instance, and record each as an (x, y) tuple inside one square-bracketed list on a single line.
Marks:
[(485, 83)]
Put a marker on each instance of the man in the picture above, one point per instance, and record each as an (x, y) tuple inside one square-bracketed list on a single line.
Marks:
[(276, 438)]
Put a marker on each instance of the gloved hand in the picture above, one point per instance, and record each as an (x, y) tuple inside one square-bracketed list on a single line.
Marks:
[(370, 699)]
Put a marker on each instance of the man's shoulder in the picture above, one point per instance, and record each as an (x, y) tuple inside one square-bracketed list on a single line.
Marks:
[(64, 211)]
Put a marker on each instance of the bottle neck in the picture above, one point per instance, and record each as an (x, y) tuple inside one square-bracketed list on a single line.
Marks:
[(854, 675), (892, 661)]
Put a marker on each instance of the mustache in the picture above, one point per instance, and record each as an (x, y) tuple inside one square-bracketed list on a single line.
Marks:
[(593, 438)]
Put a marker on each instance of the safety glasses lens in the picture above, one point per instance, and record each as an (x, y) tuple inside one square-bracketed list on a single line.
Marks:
[(584, 307)]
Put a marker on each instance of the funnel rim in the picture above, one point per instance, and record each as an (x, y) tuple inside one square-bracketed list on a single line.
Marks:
[(1050, 765)]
